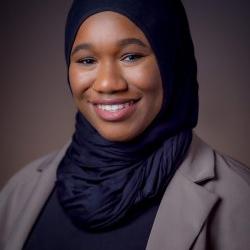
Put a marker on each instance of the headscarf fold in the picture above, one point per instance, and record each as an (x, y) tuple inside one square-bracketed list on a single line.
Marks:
[(99, 181)]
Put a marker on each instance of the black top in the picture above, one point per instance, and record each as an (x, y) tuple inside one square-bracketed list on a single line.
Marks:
[(54, 230)]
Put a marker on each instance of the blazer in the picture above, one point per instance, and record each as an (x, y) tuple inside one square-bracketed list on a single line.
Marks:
[(205, 206)]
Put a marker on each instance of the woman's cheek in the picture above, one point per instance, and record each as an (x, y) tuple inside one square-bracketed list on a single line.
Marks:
[(80, 80), (145, 77)]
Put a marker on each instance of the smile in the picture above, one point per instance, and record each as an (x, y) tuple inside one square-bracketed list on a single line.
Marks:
[(114, 107), (116, 111)]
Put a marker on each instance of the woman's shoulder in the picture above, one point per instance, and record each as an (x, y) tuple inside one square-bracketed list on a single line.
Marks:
[(233, 168), (26, 192), (31, 172), (224, 169), (221, 184), (230, 220), (219, 174)]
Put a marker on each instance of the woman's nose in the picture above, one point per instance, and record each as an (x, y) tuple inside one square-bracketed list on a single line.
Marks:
[(109, 79)]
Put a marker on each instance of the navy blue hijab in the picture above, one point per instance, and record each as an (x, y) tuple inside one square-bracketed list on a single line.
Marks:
[(99, 181)]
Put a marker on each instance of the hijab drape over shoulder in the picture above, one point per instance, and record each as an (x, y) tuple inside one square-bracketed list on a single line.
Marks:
[(100, 181)]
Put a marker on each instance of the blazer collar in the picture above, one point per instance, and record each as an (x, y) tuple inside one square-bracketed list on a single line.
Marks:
[(186, 204), (199, 165)]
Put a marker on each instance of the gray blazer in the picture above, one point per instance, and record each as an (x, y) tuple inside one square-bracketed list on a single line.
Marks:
[(205, 206)]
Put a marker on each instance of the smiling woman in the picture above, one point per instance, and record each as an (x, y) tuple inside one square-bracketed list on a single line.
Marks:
[(114, 76), (134, 176)]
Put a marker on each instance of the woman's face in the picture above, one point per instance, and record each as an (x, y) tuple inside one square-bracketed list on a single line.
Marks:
[(114, 76)]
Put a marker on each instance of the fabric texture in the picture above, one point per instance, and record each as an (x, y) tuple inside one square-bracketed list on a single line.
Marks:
[(100, 181)]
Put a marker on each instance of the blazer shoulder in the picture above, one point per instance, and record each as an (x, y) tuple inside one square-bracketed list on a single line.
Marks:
[(33, 170), (216, 166), (30, 172), (229, 222), (230, 169)]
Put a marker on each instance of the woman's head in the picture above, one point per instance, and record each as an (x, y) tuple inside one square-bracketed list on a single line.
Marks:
[(135, 52), (114, 76)]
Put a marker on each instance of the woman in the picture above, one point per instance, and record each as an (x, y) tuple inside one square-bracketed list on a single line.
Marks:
[(134, 176)]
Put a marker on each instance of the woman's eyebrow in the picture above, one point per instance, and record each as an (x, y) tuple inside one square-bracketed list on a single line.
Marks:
[(128, 41), (121, 43), (82, 46)]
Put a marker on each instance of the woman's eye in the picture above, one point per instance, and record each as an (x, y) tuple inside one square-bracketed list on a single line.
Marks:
[(131, 57), (87, 61)]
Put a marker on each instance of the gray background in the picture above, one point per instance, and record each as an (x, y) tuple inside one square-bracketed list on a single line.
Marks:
[(37, 113)]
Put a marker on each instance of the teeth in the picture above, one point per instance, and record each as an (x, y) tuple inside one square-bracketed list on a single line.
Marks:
[(113, 107)]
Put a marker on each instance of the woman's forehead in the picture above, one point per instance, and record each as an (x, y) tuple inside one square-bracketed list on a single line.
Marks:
[(109, 22), (110, 27)]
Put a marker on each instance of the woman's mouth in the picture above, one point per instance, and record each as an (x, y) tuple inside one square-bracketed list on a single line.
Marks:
[(115, 111), (114, 107)]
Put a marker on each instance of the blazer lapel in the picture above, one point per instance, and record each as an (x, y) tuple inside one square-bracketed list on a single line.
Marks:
[(186, 204)]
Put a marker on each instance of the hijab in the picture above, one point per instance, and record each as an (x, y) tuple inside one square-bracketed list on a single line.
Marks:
[(99, 181)]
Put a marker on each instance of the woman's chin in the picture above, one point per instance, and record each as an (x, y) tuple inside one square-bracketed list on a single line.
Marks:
[(118, 134)]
